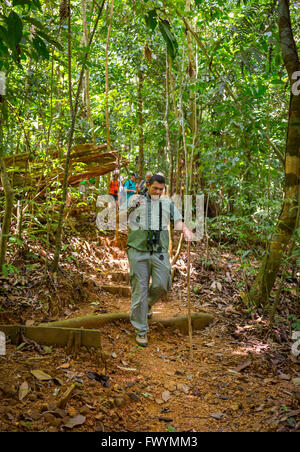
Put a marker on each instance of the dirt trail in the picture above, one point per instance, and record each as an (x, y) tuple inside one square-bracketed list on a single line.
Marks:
[(240, 379)]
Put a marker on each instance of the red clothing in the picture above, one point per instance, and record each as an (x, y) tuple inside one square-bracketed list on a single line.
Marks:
[(114, 187)]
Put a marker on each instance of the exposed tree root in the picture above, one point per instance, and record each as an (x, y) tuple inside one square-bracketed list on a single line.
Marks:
[(199, 321)]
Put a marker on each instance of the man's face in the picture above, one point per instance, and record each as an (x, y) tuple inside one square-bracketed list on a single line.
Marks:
[(156, 189), (148, 177), (133, 178)]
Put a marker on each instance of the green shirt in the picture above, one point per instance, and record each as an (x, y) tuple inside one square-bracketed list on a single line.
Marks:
[(144, 216)]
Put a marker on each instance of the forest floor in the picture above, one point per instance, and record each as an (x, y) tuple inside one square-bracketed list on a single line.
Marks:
[(242, 376)]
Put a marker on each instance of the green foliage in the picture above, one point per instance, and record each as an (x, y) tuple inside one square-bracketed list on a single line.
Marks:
[(295, 322), (21, 34), (234, 164), (169, 37), (9, 270), (14, 30), (151, 19)]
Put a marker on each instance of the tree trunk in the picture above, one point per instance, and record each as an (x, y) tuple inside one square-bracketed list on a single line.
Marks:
[(192, 103), (70, 60), (167, 126), (70, 142), (141, 121), (107, 89), (87, 102), (169, 151), (261, 289), (176, 113), (9, 196)]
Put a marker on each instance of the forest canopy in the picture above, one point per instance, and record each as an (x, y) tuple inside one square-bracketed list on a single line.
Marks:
[(197, 90)]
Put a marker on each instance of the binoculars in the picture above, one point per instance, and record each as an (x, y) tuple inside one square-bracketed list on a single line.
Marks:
[(153, 239)]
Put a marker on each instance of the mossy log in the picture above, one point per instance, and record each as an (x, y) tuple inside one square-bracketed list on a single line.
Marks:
[(199, 321), (52, 335)]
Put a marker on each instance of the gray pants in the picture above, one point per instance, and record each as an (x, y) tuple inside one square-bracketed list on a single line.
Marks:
[(142, 266)]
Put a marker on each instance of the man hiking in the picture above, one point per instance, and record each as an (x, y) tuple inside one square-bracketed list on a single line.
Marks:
[(148, 242)]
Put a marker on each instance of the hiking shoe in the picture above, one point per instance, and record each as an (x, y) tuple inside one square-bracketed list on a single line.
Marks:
[(141, 340), (150, 312)]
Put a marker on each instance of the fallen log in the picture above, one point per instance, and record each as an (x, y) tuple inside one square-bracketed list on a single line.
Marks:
[(53, 335), (96, 162), (199, 321)]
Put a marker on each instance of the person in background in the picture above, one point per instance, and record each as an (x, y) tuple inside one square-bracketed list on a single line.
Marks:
[(114, 187), (143, 187), (130, 187), (84, 186)]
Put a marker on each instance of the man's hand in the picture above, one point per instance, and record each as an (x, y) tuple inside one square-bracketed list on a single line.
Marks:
[(188, 234)]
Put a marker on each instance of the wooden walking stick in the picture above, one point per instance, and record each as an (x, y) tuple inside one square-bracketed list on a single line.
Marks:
[(189, 298)]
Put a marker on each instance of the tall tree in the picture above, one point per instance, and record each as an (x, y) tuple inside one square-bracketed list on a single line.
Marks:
[(266, 277), (107, 87), (9, 196), (141, 123), (86, 83), (70, 142)]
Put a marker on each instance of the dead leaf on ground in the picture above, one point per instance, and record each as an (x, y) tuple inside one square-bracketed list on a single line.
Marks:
[(41, 375), (290, 414), (71, 411), (216, 285), (217, 416), (284, 377), (260, 408), (103, 379), (64, 366), (23, 390), (75, 421), (243, 366), (128, 369), (184, 388), (165, 396)]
